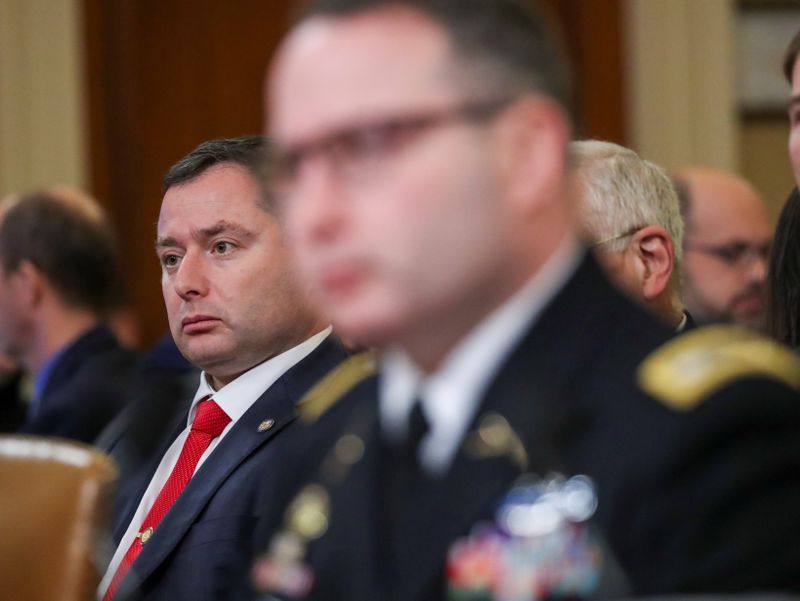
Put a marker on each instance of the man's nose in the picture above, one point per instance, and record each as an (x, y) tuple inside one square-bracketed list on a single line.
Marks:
[(190, 279), (316, 209), (757, 270)]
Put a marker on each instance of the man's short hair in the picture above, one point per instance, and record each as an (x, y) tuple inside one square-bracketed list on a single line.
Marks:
[(623, 192), (254, 153), (69, 240), (684, 200), (791, 57), (504, 45)]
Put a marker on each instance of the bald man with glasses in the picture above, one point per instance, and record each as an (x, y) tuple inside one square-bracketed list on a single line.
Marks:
[(726, 246)]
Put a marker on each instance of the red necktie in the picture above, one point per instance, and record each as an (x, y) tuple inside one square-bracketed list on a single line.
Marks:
[(209, 422)]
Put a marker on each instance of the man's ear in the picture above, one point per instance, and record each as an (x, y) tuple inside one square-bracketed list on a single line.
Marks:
[(532, 136), (656, 253), (28, 284)]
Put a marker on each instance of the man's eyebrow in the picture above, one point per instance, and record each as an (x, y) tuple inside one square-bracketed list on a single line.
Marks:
[(221, 227), (166, 242)]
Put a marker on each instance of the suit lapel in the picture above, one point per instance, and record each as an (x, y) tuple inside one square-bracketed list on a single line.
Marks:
[(278, 404), (237, 446)]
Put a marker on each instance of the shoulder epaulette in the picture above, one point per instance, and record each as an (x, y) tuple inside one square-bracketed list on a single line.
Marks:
[(338, 382), (692, 366)]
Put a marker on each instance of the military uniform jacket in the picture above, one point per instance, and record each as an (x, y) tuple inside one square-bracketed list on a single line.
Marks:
[(703, 497)]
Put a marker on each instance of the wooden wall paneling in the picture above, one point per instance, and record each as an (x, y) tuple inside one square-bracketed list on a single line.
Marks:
[(593, 36)]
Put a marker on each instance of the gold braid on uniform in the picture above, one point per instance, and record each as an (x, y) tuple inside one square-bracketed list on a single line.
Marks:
[(692, 366), (335, 385)]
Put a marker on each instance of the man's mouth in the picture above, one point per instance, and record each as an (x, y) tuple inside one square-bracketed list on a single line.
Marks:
[(750, 303), (197, 324), (339, 280)]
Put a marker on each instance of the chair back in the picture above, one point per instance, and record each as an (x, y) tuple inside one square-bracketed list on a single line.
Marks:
[(55, 500)]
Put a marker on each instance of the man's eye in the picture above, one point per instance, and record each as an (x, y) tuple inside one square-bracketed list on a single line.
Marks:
[(732, 254), (170, 260), (372, 141), (222, 247)]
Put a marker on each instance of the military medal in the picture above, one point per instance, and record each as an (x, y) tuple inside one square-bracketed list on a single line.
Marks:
[(538, 547)]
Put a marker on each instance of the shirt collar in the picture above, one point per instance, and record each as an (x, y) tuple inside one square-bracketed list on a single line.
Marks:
[(236, 397), (46, 371)]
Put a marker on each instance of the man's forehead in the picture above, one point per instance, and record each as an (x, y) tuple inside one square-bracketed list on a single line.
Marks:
[(742, 219), (202, 206), (333, 70), (177, 233)]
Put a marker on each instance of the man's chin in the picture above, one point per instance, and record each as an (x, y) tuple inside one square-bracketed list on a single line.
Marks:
[(207, 359), (753, 321), (750, 314), (365, 329)]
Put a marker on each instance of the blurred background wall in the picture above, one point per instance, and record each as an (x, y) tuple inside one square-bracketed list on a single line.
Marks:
[(107, 94)]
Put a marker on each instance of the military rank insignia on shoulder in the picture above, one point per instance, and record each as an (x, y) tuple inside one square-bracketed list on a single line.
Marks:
[(692, 366), (337, 383)]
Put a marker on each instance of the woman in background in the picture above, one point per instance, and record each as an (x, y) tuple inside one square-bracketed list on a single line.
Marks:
[(783, 280)]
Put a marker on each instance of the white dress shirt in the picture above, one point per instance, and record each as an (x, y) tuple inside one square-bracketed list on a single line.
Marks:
[(450, 396), (235, 398)]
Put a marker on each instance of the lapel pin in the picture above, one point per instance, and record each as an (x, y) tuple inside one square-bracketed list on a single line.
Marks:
[(145, 535), (266, 425)]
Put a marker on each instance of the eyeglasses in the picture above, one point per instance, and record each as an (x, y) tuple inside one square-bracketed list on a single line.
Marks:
[(359, 150), (737, 254), (624, 234)]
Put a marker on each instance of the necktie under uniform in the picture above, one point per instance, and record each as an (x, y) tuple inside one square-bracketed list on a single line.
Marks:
[(209, 422), (406, 492)]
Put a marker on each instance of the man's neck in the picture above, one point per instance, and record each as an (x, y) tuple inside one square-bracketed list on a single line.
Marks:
[(429, 345), (669, 309)]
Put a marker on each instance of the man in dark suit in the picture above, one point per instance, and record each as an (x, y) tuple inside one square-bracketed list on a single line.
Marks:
[(186, 511), (424, 154), (631, 216), (57, 286)]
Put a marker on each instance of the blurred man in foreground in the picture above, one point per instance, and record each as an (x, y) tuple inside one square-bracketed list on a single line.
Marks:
[(423, 178), (726, 245), (631, 213)]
